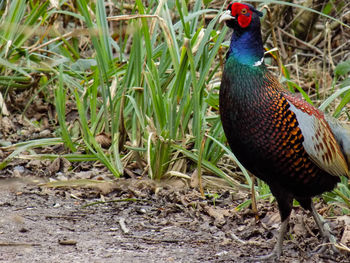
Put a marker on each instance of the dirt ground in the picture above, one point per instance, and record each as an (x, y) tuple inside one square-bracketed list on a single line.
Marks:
[(134, 220)]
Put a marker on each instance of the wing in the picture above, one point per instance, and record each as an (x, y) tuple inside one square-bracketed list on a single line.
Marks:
[(319, 140), (341, 133)]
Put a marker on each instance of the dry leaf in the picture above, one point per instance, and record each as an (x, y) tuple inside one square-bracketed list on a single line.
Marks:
[(59, 165), (194, 179), (299, 227), (6, 125), (271, 220), (218, 214)]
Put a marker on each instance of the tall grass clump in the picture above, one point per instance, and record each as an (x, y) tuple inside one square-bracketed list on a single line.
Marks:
[(149, 90)]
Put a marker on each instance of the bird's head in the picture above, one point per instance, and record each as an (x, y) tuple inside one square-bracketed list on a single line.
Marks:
[(240, 16)]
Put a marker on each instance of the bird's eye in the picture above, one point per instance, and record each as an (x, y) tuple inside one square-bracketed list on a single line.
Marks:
[(244, 11)]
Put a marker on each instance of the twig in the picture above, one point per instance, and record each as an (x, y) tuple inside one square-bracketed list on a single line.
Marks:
[(69, 34), (15, 244), (329, 45), (283, 49), (341, 246), (156, 240), (274, 39), (302, 42), (234, 237), (116, 201)]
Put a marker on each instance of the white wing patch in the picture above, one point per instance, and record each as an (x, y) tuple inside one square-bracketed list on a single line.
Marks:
[(320, 144)]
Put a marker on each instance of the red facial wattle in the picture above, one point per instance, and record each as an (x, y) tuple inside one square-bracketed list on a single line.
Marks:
[(243, 14), (244, 20)]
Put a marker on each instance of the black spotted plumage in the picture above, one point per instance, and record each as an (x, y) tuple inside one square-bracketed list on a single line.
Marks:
[(277, 136), (263, 132)]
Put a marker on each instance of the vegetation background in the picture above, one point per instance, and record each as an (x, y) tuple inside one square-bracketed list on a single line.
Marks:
[(130, 88)]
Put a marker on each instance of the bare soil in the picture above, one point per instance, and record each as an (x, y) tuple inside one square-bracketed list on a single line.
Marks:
[(142, 221)]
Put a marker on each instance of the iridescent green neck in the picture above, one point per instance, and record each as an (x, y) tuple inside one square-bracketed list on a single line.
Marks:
[(245, 81)]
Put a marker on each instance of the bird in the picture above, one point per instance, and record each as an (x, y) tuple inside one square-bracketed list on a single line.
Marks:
[(298, 150)]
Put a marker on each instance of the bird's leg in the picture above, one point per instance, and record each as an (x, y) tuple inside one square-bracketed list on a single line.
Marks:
[(323, 226), (277, 250), (285, 202)]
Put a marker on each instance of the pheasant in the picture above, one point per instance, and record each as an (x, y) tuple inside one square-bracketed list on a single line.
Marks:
[(280, 138)]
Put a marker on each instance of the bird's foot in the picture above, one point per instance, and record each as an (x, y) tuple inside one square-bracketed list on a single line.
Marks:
[(277, 250), (328, 240), (326, 233)]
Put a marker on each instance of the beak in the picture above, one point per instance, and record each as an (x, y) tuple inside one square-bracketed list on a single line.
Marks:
[(226, 16)]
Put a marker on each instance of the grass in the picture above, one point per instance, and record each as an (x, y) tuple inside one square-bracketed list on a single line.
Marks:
[(145, 78)]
